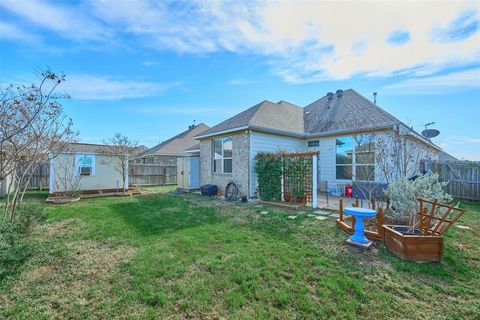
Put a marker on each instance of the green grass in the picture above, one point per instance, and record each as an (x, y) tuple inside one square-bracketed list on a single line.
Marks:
[(162, 256)]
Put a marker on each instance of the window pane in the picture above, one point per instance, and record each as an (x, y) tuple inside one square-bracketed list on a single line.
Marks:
[(344, 172), (227, 166), (217, 165), (344, 147), (313, 144), (365, 158), (217, 149), (227, 148), (365, 173)]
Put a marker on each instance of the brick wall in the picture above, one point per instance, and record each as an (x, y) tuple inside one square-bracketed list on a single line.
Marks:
[(240, 166)]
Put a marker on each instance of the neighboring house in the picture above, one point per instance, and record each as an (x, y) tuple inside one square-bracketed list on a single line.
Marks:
[(86, 168), (326, 126), (5, 184), (167, 152)]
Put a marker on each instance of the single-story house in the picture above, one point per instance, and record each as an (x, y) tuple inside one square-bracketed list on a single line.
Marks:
[(168, 151), (329, 126), (86, 168)]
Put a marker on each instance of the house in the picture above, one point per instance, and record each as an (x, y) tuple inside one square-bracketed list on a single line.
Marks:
[(329, 126), (168, 151), (87, 168)]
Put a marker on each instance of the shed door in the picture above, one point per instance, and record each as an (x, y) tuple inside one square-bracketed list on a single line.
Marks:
[(194, 173), (182, 173)]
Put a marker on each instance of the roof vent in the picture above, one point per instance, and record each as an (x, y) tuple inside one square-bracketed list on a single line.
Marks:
[(330, 96), (339, 93)]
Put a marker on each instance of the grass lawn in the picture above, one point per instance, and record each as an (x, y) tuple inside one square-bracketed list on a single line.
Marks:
[(162, 256)]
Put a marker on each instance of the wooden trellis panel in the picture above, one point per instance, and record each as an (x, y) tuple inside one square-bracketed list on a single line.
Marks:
[(298, 177)]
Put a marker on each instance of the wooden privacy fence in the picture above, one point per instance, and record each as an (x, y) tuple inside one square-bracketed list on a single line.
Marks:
[(463, 177), (151, 174), (40, 178)]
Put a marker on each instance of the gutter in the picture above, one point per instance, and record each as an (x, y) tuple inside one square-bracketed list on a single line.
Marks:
[(319, 134)]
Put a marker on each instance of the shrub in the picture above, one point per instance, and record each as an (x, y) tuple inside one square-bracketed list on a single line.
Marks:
[(15, 247), (403, 194)]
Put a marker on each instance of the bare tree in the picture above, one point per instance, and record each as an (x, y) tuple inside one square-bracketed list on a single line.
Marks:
[(120, 148), (365, 154), (66, 178), (33, 129), (399, 154)]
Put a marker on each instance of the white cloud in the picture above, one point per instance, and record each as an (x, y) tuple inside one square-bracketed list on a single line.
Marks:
[(455, 81), (302, 41), (12, 32), (73, 23), (91, 87)]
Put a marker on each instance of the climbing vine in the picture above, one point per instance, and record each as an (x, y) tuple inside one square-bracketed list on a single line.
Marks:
[(295, 170), (268, 168)]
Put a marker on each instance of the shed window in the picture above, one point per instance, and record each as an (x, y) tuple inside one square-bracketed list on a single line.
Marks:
[(85, 164), (313, 143), (222, 155)]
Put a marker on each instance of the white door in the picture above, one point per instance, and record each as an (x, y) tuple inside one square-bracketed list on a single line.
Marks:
[(194, 173), (182, 173)]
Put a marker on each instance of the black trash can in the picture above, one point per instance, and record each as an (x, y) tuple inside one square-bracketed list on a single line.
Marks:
[(209, 190)]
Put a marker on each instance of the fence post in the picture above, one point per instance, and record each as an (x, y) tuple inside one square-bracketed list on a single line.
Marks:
[(315, 180)]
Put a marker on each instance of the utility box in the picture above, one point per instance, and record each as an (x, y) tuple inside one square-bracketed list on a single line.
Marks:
[(188, 173)]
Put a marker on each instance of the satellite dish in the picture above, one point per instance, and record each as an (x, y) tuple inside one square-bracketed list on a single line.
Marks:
[(430, 133)]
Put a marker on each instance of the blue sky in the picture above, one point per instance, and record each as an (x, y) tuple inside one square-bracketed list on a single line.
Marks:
[(149, 69)]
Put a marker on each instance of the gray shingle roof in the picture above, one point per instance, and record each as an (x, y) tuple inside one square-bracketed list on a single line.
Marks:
[(177, 145), (87, 147), (194, 148), (346, 113), (280, 116), (351, 111)]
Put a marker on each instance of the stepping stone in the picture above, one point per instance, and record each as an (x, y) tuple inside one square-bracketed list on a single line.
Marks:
[(264, 212), (301, 212), (311, 215), (463, 227), (258, 206), (292, 217), (334, 215), (321, 217), (321, 213)]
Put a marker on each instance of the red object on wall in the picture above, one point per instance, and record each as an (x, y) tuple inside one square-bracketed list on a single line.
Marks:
[(348, 191)]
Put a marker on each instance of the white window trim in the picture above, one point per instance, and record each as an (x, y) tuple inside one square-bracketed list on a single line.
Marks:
[(223, 158)]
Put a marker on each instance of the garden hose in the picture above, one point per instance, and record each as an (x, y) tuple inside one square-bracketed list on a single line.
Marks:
[(232, 192)]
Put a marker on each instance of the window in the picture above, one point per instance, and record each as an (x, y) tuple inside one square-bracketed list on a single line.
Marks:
[(365, 158), (344, 158), (313, 143), (85, 164), (222, 155), (355, 158)]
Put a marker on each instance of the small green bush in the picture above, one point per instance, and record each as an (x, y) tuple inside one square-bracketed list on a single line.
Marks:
[(15, 246)]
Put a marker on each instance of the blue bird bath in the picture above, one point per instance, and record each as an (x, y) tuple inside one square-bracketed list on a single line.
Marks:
[(358, 235)]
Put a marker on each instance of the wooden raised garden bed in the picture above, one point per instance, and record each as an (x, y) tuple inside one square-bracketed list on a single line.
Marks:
[(412, 246), (424, 240)]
